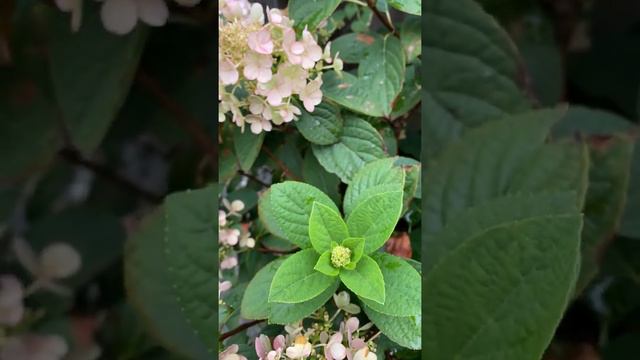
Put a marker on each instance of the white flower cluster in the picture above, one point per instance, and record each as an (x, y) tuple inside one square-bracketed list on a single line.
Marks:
[(231, 234), (56, 261), (300, 343), (270, 63), (121, 16)]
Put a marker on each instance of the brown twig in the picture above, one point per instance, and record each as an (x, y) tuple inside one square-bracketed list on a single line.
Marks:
[(383, 19), (181, 117), (239, 329), (74, 156)]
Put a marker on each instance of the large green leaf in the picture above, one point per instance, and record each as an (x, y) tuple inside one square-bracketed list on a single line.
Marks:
[(405, 331), (310, 13), (247, 147), (377, 84), (501, 157), (359, 144), (490, 266), (290, 204), (375, 218), (375, 177), (402, 284), (353, 47), (92, 71), (297, 281), (191, 254), (365, 280), (471, 71), (267, 217), (325, 226), (149, 290), (323, 126), (314, 174), (409, 6), (253, 305)]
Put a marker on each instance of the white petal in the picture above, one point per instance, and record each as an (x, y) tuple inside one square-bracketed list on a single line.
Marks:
[(153, 12), (59, 260), (119, 16)]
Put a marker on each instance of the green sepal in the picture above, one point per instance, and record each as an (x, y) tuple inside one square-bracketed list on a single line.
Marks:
[(324, 265)]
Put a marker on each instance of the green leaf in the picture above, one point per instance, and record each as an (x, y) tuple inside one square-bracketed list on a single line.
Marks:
[(375, 218), (284, 314), (604, 203), (267, 216), (411, 37), (353, 47), (149, 290), (92, 71), (247, 147), (296, 280), (402, 286), (291, 203), (310, 13), (471, 71), (501, 157), (253, 305), (356, 245), (375, 177), (405, 331), (324, 264), (359, 144), (314, 174), (413, 7), (365, 280), (28, 136), (191, 257), (323, 126), (325, 225), (377, 84), (411, 93), (489, 267)]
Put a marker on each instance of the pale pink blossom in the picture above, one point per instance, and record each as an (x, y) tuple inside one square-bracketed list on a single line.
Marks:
[(229, 263), (229, 236), (278, 18), (222, 218), (294, 76), (259, 124), (334, 350), (257, 67), (260, 42), (305, 52), (231, 353), (364, 354), (264, 349), (275, 90), (300, 349), (223, 286), (235, 9), (247, 241), (288, 112), (227, 72), (121, 16), (311, 95)]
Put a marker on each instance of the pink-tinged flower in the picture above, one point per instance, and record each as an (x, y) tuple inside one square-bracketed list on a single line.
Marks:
[(278, 18), (257, 67), (227, 72), (260, 42), (229, 236), (229, 263), (121, 16), (11, 305), (223, 286), (294, 76), (256, 14), (334, 350), (275, 90), (264, 349), (235, 9), (247, 241), (305, 52), (222, 218), (311, 95), (287, 113), (32, 346), (300, 349), (364, 354), (231, 353), (259, 124)]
